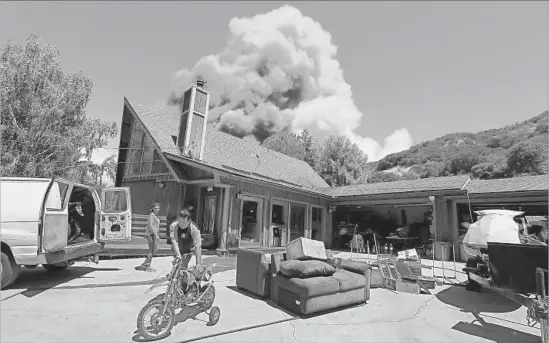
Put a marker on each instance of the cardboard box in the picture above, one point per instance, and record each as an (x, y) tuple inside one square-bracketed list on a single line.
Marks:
[(305, 248)]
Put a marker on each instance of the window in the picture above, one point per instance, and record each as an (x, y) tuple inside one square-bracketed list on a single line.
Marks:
[(143, 157), (148, 156), (158, 166), (278, 214), (136, 151), (114, 201), (56, 196)]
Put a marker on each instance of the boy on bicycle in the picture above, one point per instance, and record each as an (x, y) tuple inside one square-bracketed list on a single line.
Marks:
[(186, 239)]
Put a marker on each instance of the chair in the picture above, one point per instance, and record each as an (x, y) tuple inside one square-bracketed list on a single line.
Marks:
[(253, 272)]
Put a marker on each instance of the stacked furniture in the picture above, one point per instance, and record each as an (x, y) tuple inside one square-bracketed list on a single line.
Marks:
[(303, 286), (309, 286)]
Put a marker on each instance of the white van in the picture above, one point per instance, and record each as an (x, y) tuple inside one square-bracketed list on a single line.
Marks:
[(35, 223)]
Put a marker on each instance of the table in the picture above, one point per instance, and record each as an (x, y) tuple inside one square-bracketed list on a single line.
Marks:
[(402, 243)]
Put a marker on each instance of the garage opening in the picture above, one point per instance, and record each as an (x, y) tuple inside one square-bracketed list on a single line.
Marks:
[(81, 216), (394, 228)]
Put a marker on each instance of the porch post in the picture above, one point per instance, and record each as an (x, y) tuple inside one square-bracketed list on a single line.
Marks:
[(225, 221)]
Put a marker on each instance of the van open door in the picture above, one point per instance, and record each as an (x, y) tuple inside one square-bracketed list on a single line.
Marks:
[(116, 215), (54, 220)]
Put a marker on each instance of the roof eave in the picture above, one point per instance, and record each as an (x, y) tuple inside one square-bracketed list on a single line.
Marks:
[(409, 194), (508, 193), (207, 167)]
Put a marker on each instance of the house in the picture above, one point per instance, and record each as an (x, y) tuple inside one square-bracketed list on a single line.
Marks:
[(248, 195), (244, 195)]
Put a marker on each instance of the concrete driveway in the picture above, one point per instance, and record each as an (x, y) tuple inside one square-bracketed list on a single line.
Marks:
[(100, 303)]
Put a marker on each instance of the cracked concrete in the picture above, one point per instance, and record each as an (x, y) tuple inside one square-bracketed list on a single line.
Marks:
[(100, 303)]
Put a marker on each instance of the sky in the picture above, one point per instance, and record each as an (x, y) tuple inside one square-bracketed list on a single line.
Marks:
[(410, 71)]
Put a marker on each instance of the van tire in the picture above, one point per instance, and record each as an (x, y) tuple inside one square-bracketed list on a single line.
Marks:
[(10, 270), (56, 267)]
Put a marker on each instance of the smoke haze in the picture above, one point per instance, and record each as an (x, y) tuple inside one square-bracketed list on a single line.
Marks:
[(278, 70)]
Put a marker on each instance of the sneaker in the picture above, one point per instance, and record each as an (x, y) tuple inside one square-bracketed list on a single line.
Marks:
[(141, 267), (150, 270)]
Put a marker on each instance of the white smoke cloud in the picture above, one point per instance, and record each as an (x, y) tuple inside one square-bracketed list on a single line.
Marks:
[(279, 70)]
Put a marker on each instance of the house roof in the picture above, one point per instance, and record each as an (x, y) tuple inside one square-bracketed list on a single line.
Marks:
[(515, 184), (449, 183), (231, 154)]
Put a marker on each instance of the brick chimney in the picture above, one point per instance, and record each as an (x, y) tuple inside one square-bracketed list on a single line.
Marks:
[(193, 120)]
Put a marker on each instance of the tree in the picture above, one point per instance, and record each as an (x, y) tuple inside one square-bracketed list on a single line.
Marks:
[(488, 170), (463, 162), (383, 176), (542, 127), (429, 169), (311, 153), (45, 132), (341, 162), (527, 158), (286, 143)]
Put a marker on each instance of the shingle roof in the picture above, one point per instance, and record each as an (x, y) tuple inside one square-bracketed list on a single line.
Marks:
[(229, 153), (429, 184), (515, 184)]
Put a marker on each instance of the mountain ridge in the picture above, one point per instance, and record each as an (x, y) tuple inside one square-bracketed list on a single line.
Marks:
[(512, 150)]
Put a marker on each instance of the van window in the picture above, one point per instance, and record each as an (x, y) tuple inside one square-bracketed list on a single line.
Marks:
[(114, 201), (56, 196)]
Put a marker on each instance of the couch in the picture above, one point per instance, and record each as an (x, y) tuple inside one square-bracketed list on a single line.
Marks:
[(253, 272), (349, 285)]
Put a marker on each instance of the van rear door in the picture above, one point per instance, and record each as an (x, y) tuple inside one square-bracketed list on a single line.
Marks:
[(54, 220), (116, 215)]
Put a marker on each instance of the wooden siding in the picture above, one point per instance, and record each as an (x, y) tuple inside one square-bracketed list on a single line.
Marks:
[(139, 225), (145, 193)]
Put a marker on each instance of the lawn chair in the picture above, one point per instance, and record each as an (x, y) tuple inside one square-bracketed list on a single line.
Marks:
[(407, 276)]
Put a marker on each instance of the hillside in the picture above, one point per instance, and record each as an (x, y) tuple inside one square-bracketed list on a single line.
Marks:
[(516, 149)]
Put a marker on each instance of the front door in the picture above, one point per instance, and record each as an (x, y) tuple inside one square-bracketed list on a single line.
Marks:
[(115, 215), (251, 222)]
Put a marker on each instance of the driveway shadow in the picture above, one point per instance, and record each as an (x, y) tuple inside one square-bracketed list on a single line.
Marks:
[(489, 302), (484, 301), (494, 332), (37, 280)]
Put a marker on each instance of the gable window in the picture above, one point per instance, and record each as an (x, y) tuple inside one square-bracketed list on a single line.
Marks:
[(144, 159)]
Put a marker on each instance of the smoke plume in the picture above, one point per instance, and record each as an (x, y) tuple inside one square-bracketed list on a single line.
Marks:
[(279, 70)]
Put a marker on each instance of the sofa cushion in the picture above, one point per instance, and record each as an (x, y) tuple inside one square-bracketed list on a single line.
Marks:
[(348, 280), (314, 286), (306, 269), (355, 267)]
